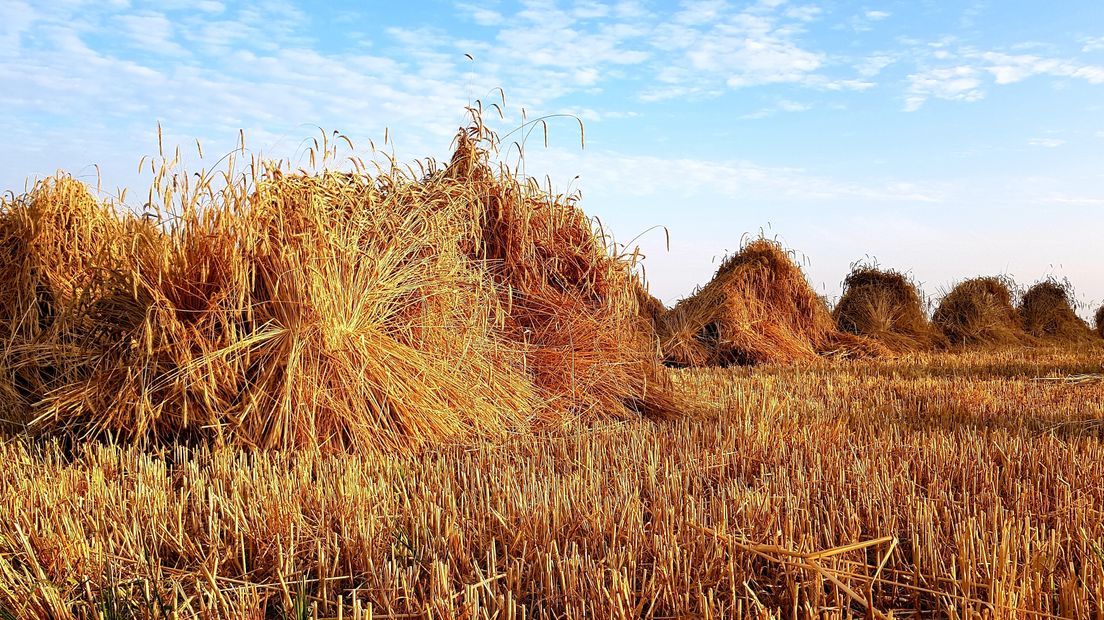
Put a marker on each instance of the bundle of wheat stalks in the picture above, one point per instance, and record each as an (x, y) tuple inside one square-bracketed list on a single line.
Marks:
[(758, 308), (979, 312), (1047, 312), (325, 310), (887, 306)]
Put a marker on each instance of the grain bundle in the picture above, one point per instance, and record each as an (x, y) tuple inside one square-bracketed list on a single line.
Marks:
[(1047, 312), (56, 239), (324, 311), (572, 302), (979, 312), (757, 308), (885, 306)]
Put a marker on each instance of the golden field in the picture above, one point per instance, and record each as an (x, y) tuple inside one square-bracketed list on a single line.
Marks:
[(932, 485), (445, 392)]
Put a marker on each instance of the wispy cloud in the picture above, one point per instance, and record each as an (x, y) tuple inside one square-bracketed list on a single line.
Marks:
[(975, 71), (953, 84), (784, 105), (1049, 143)]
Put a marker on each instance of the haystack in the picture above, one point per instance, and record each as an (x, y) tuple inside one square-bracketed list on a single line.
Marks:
[(322, 311), (758, 308), (1047, 312), (885, 306), (979, 312)]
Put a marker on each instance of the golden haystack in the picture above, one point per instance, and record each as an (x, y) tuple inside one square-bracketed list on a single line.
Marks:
[(758, 308), (1100, 321), (1047, 312), (324, 311), (885, 306), (573, 304), (979, 312)]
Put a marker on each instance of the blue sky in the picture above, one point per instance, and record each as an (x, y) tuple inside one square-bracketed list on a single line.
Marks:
[(944, 139)]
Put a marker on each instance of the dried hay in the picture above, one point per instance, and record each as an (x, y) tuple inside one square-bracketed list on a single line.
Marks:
[(1047, 312), (886, 306), (1100, 321), (651, 308), (979, 312), (323, 311), (758, 308)]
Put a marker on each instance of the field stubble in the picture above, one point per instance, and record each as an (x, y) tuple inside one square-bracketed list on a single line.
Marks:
[(970, 484)]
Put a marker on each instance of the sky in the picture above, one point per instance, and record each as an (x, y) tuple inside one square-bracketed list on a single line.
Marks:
[(943, 139)]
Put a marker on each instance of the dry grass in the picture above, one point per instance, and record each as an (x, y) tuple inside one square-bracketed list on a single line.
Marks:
[(975, 488), (331, 395), (1047, 312), (758, 308), (885, 306), (330, 311), (651, 308), (1100, 321), (979, 312)]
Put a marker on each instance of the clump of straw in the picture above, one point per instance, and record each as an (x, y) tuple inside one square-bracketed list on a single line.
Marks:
[(979, 312), (1047, 312), (886, 306), (758, 308), (323, 310)]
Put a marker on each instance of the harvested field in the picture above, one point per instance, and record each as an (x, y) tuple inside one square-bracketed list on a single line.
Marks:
[(931, 485), (885, 306), (758, 308), (320, 395)]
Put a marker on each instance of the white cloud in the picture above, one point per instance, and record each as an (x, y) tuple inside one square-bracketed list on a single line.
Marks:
[(1049, 143), (481, 15), (152, 32), (954, 84), (876, 16), (702, 43), (805, 13), (18, 17), (1093, 44), (736, 179), (1012, 68), (784, 105), (873, 65)]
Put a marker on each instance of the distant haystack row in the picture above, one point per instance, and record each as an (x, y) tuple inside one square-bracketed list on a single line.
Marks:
[(759, 308)]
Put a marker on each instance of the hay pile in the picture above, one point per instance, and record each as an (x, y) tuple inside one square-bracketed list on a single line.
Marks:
[(1047, 312), (979, 312), (758, 308), (1100, 321), (323, 311), (885, 306)]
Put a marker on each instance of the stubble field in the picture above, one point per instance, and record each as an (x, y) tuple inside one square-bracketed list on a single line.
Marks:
[(932, 485)]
